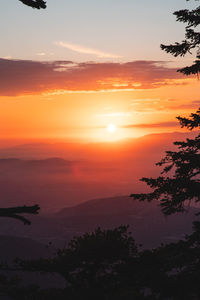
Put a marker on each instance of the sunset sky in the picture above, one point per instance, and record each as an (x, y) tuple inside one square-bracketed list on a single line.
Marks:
[(71, 70)]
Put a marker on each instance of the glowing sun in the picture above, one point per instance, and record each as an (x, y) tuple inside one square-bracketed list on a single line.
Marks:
[(111, 128)]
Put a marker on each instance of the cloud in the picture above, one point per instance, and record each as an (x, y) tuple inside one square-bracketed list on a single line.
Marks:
[(7, 57), (153, 125), (85, 50), (115, 114), (196, 102), (186, 106), (41, 54), (20, 77)]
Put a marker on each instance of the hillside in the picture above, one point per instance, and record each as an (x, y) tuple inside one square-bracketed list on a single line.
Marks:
[(147, 223)]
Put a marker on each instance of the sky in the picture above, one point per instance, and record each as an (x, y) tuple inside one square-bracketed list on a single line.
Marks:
[(75, 68)]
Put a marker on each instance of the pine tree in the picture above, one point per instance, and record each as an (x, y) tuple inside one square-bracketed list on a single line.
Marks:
[(176, 191), (191, 41)]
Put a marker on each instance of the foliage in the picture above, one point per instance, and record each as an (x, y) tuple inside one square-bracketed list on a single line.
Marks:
[(34, 3), (192, 39), (107, 264), (91, 262), (93, 265), (15, 212), (177, 191)]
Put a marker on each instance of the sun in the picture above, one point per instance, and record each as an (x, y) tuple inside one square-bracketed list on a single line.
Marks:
[(111, 128)]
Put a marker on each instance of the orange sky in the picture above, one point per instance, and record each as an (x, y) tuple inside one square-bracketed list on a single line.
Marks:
[(79, 101), (80, 66)]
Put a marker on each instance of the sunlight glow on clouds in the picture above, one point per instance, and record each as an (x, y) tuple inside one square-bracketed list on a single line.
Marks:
[(41, 54), (19, 77), (115, 114), (153, 125)]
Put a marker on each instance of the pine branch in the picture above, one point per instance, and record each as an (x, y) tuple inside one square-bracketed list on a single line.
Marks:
[(192, 122), (192, 18), (192, 70), (34, 3), (191, 42), (178, 49), (15, 212), (193, 36)]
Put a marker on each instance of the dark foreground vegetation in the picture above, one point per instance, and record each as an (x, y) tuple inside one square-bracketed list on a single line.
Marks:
[(107, 264)]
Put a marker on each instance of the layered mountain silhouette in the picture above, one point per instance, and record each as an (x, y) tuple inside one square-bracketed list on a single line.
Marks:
[(59, 174), (147, 223)]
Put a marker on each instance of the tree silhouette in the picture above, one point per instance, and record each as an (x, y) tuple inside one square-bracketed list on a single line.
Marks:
[(34, 3), (107, 264), (96, 265), (15, 212), (191, 41), (177, 191)]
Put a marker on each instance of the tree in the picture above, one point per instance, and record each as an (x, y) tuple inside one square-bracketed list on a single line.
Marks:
[(96, 265), (177, 191), (107, 264), (191, 41), (15, 212), (35, 3)]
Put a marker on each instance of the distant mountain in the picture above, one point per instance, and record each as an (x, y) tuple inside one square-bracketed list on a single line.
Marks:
[(115, 206), (102, 150), (20, 247), (25, 248), (34, 163), (147, 223), (56, 175)]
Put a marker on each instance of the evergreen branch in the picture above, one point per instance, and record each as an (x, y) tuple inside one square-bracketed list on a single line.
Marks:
[(14, 212), (192, 70), (192, 18), (192, 122), (192, 39), (34, 3), (178, 49)]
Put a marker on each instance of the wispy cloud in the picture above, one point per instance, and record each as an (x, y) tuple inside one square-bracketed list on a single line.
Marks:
[(86, 50), (7, 57), (115, 114), (153, 125), (41, 54)]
